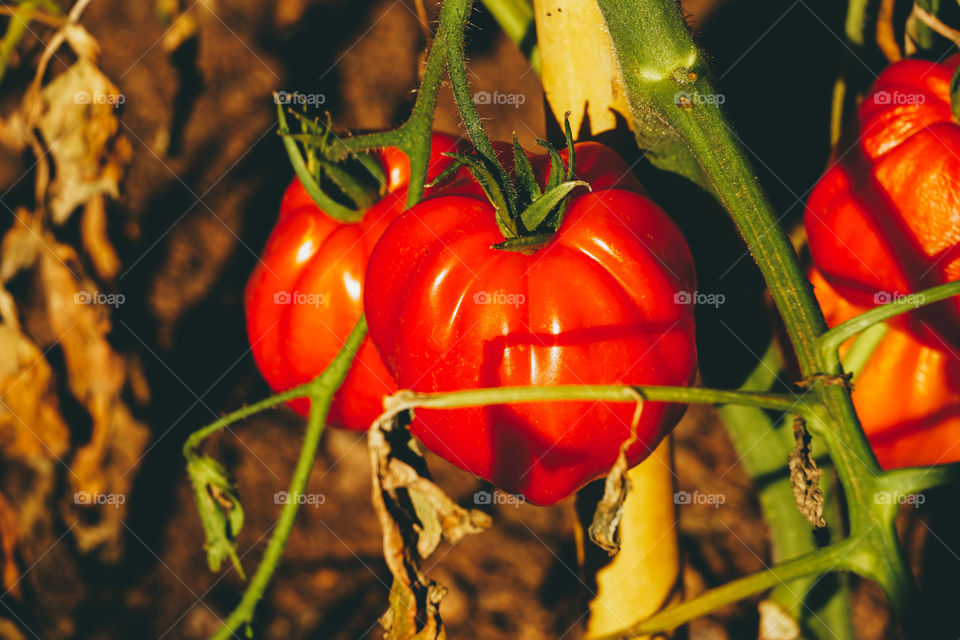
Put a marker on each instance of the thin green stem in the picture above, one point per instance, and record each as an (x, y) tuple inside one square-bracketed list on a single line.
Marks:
[(16, 28), (856, 24), (413, 137), (831, 340), (916, 479), (812, 564), (860, 352), (607, 393), (198, 436), (453, 21), (321, 395)]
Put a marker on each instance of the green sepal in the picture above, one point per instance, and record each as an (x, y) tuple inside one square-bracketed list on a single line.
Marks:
[(571, 156), (557, 170), (955, 94), (538, 211), (327, 204), (523, 244), (362, 198), (220, 511), (525, 174)]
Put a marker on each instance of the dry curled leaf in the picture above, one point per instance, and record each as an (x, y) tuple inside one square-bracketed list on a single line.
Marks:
[(604, 530), (415, 515), (96, 377), (79, 126), (805, 476)]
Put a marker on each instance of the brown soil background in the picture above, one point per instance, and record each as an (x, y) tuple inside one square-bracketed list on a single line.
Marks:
[(198, 200)]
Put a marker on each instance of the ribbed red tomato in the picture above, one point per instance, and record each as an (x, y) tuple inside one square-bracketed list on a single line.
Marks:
[(884, 223), (602, 302), (884, 220), (306, 293)]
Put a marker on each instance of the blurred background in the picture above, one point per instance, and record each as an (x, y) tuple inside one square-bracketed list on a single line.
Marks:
[(179, 198)]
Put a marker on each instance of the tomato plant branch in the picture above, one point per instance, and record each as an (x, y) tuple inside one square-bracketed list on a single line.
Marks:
[(453, 21), (659, 61), (413, 136), (916, 479), (667, 85), (815, 563), (404, 400), (831, 340), (198, 436), (320, 391)]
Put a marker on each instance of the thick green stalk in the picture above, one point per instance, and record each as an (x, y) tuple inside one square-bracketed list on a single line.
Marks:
[(667, 86), (668, 89)]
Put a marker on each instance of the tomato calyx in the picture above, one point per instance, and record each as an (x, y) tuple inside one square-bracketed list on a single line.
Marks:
[(526, 215), (342, 189)]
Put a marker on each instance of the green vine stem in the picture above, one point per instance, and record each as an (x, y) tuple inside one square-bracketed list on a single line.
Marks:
[(659, 62), (405, 400), (831, 340), (197, 437), (916, 479), (815, 563), (413, 136), (453, 21), (320, 391)]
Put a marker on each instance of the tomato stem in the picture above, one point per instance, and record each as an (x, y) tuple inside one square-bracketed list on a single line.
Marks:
[(405, 400), (815, 563), (661, 65), (320, 390), (831, 340), (413, 136)]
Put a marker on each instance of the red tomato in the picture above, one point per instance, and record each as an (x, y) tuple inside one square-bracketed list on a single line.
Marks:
[(884, 223), (306, 293), (600, 303)]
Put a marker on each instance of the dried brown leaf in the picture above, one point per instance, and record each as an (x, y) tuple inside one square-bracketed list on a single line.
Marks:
[(79, 126), (805, 476), (604, 530), (415, 515), (96, 377)]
